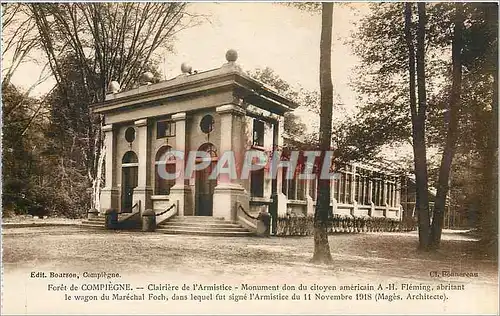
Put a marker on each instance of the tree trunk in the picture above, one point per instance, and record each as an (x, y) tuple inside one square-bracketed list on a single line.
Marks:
[(97, 180), (489, 169), (451, 134), (418, 116), (321, 246)]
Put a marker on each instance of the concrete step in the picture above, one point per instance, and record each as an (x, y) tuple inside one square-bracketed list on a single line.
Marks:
[(90, 222), (203, 228), (200, 224), (198, 218), (186, 225), (204, 232), (91, 225), (96, 220)]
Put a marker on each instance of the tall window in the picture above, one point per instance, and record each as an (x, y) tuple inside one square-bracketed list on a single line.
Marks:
[(295, 188), (367, 191), (342, 188), (358, 189), (257, 183), (292, 189), (336, 186), (301, 189), (165, 129), (258, 133), (163, 160), (348, 188), (313, 188), (375, 190), (378, 189)]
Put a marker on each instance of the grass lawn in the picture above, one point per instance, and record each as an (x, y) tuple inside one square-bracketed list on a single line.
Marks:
[(368, 258)]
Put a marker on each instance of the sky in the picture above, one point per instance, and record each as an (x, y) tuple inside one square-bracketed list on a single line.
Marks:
[(272, 35), (264, 34)]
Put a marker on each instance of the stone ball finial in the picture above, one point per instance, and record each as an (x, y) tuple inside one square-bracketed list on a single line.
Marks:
[(231, 55), (114, 86), (148, 76), (186, 68)]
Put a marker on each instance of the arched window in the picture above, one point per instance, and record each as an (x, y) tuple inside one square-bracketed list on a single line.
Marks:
[(163, 154), (210, 149), (166, 161), (130, 158)]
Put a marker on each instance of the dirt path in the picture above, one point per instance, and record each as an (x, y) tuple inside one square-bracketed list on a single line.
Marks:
[(142, 257)]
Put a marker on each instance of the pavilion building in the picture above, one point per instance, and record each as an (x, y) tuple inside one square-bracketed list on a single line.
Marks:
[(216, 111)]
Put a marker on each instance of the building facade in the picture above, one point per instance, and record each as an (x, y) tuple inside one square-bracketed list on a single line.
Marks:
[(216, 111)]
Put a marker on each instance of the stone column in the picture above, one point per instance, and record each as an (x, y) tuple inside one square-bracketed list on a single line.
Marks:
[(397, 192), (230, 191), (281, 197), (385, 185), (354, 198), (110, 194), (143, 191), (397, 201), (333, 197), (371, 183), (181, 193)]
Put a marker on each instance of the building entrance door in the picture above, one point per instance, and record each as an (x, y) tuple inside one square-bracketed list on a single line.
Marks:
[(129, 182), (204, 191)]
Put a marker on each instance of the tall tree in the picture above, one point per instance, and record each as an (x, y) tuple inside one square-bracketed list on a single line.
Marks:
[(418, 122), (452, 129), (98, 43), (416, 70), (19, 38), (321, 246), (390, 46)]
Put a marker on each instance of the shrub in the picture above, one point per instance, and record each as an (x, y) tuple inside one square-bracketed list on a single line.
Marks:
[(304, 225)]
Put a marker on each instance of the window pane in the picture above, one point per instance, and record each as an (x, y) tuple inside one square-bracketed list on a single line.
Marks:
[(342, 188), (284, 182), (257, 183), (165, 129), (258, 133), (163, 186)]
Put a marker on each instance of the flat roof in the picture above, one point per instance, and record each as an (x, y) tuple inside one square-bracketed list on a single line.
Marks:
[(229, 76)]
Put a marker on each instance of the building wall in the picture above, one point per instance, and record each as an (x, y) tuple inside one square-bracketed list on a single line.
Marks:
[(260, 203), (122, 146), (156, 145), (195, 137), (356, 192)]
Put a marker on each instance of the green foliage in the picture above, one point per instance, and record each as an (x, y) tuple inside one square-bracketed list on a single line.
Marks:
[(293, 126), (52, 146), (383, 84), (31, 182)]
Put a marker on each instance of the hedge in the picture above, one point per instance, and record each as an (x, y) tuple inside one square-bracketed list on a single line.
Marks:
[(304, 225)]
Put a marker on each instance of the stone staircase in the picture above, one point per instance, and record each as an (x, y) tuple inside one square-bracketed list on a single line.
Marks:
[(186, 225), (203, 226), (96, 222)]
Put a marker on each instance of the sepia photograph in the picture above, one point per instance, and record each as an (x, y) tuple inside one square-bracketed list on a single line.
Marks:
[(249, 158)]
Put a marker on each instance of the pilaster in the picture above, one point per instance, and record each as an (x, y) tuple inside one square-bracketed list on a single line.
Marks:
[(143, 191), (181, 192), (228, 191), (110, 194)]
